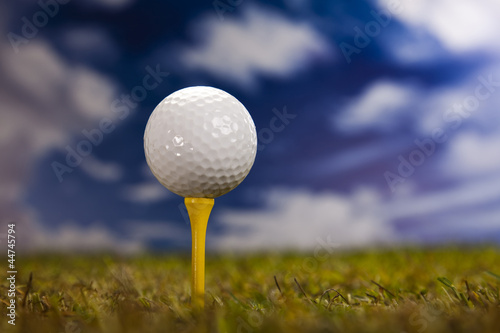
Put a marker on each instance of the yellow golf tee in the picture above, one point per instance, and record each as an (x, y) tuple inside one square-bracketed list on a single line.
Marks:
[(199, 210)]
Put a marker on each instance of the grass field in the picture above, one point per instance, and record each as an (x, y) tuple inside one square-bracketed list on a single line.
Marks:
[(448, 289)]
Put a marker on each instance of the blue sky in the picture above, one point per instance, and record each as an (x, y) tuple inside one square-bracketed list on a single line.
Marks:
[(389, 110)]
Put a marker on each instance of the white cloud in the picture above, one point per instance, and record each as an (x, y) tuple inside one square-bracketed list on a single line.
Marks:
[(261, 42), (468, 195), (483, 224), (45, 101), (134, 237), (473, 154), (71, 237), (150, 230), (296, 219), (96, 238), (299, 219), (91, 92), (84, 38), (412, 47), (389, 105), (147, 192), (381, 106), (349, 159), (34, 236), (434, 104), (104, 171), (460, 26)]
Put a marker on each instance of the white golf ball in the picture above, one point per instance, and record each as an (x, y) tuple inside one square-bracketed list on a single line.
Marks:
[(200, 142)]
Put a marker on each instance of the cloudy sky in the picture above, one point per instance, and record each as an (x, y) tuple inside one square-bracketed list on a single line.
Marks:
[(389, 111)]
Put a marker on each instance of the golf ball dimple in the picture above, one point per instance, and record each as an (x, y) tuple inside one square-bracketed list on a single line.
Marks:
[(200, 142)]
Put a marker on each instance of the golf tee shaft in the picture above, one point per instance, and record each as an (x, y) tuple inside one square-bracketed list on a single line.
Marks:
[(199, 210)]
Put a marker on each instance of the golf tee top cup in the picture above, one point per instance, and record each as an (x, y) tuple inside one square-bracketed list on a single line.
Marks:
[(200, 142)]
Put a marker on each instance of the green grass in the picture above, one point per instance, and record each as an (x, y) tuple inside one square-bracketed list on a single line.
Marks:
[(449, 289)]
